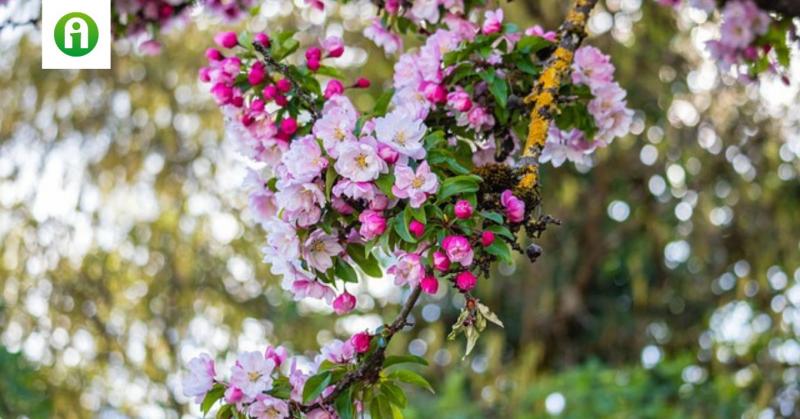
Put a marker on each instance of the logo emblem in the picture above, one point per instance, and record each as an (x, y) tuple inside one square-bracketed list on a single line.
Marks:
[(76, 34)]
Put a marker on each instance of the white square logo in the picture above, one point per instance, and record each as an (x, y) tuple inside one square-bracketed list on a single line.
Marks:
[(76, 34)]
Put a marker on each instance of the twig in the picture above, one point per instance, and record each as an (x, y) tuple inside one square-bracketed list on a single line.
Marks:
[(372, 365), (283, 69), (545, 92)]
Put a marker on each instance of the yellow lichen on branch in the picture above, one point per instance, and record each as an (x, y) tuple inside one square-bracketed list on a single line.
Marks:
[(544, 96)]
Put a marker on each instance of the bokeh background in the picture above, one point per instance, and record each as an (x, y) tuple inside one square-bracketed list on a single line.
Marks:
[(671, 289)]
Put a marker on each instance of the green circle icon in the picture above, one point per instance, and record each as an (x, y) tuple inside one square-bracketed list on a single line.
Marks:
[(76, 34)]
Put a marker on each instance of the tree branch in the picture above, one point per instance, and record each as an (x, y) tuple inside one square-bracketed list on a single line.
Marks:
[(371, 367), (545, 93)]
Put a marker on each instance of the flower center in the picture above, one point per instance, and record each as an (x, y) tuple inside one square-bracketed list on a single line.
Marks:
[(417, 182), (253, 376), (400, 138), (318, 246), (339, 134), (361, 161)]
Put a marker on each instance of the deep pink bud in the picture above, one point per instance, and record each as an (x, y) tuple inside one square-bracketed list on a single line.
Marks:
[(465, 281), (440, 261), (416, 228), (435, 93), (463, 209), (233, 395), (344, 303), (515, 207), (313, 54), (487, 238), (270, 92), (392, 6), (226, 39), (334, 46), (333, 88), (387, 153), (262, 39), (284, 85), (362, 83), (458, 250), (257, 73), (281, 100), (313, 65), (372, 224), (204, 74), (459, 101), (289, 126), (360, 341), (213, 54), (222, 93), (429, 284), (257, 106)]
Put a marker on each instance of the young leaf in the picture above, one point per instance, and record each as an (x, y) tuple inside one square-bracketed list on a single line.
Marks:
[(411, 377), (316, 385), (500, 249), (458, 185), (384, 183), (394, 394), (212, 397), (401, 227), (493, 216), (344, 404), (330, 179), (366, 261), (345, 272), (382, 104)]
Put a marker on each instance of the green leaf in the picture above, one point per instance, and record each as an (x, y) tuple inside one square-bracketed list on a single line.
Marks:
[(411, 377), (330, 179), (345, 272), (394, 394), (225, 412), (385, 183), (531, 44), (458, 185), (329, 71), (497, 86), (365, 260), (500, 249), (418, 214), (472, 335), (281, 388), (493, 216), (212, 397), (502, 231), (344, 404), (382, 104), (401, 227), (403, 359), (316, 385)]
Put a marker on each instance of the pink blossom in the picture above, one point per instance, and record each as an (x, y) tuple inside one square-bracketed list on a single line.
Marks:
[(359, 161), (150, 47), (336, 125), (401, 132), (387, 153), (277, 355), (257, 73), (515, 208), (233, 395), (429, 284), (199, 378), (383, 38), (338, 352), (360, 342), (591, 67), (487, 238), (317, 4), (459, 100), (303, 287), (372, 224), (226, 39), (408, 269), (252, 374), (416, 228), (463, 209), (344, 303), (333, 46), (458, 249), (425, 10), (465, 281), (478, 118), (262, 39), (301, 202), (416, 186), (537, 30), (304, 160), (355, 190), (320, 249), (320, 414), (268, 407), (435, 93), (440, 261), (493, 21)]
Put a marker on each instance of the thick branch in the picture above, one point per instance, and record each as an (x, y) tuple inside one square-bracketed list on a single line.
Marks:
[(372, 365), (544, 95), (788, 8)]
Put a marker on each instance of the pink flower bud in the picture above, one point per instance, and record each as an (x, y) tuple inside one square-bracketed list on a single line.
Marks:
[(372, 224), (440, 261), (487, 238), (257, 73), (463, 209), (226, 39), (289, 125), (387, 153), (270, 92), (313, 65), (333, 88), (317, 4), (416, 228), (429, 284), (262, 39), (435, 93), (283, 85), (344, 303), (465, 281), (204, 74), (515, 208), (257, 106), (362, 83), (313, 54), (233, 395), (392, 6), (360, 342), (493, 21), (222, 93), (341, 206), (281, 100), (459, 101), (458, 249), (150, 47), (334, 46)]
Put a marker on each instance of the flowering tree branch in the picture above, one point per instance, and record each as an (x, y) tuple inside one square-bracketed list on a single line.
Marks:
[(544, 95)]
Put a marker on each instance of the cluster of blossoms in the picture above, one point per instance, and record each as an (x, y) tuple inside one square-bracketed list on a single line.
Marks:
[(750, 41), (424, 181), (136, 18)]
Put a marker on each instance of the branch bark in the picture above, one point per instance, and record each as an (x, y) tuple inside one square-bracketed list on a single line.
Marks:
[(544, 96)]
